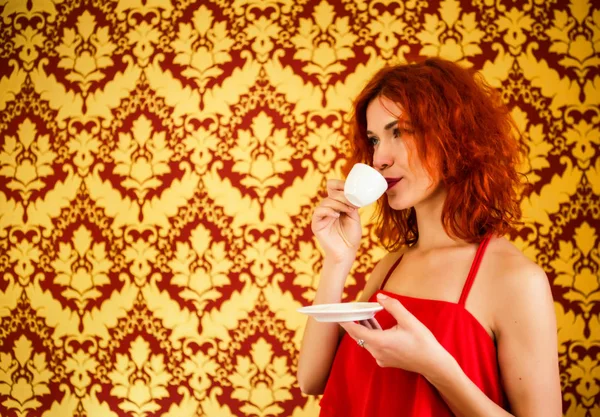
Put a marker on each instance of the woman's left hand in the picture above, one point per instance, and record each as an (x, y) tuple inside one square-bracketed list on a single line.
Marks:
[(409, 344)]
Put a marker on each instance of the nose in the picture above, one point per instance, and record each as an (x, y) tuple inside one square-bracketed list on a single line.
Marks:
[(382, 158)]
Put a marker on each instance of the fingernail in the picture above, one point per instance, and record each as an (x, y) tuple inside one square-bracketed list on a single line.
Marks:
[(381, 296)]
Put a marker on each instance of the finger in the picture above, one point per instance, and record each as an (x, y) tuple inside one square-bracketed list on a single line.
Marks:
[(338, 194), (323, 217), (375, 324), (356, 331), (342, 234), (366, 323), (337, 205), (322, 212), (396, 309), (333, 185)]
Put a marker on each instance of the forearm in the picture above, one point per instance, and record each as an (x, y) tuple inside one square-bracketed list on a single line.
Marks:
[(464, 398), (320, 340)]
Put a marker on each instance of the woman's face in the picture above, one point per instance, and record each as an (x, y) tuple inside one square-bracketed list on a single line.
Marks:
[(395, 155)]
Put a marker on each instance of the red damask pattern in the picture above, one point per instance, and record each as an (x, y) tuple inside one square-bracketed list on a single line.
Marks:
[(160, 160)]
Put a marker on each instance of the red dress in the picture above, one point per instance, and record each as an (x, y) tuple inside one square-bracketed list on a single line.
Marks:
[(358, 387)]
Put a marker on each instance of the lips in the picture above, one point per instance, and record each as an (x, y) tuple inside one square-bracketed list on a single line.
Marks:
[(392, 181)]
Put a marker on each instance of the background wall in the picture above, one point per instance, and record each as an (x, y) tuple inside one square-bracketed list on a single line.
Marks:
[(159, 162)]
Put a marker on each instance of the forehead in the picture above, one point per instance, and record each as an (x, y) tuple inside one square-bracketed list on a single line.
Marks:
[(383, 110)]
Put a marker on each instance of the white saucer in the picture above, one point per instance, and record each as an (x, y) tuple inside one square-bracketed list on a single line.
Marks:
[(341, 312)]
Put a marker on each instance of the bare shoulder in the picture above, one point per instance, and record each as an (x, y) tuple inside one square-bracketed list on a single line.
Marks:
[(379, 272), (509, 267), (519, 286)]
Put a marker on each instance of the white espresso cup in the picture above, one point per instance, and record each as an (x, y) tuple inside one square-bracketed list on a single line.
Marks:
[(364, 185)]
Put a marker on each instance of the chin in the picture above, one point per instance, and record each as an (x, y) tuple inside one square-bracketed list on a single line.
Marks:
[(397, 203)]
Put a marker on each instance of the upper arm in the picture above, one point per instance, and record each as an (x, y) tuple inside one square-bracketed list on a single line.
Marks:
[(526, 333), (378, 274)]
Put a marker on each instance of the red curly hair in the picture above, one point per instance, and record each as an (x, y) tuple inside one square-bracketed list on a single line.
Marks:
[(464, 135)]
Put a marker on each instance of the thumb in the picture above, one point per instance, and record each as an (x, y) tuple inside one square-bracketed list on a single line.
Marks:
[(395, 308)]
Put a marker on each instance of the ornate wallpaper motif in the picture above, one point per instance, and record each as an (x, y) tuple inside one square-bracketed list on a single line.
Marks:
[(160, 159)]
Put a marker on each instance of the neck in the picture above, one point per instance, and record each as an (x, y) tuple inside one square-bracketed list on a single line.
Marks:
[(429, 222)]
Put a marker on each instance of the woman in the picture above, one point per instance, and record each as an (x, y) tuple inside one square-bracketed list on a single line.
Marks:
[(468, 326)]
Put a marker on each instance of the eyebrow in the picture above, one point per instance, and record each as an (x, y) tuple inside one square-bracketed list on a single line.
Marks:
[(392, 124)]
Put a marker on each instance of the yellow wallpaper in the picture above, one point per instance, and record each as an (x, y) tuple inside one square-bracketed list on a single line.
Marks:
[(159, 162)]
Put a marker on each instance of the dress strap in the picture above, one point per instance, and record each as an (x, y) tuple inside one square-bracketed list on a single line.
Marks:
[(473, 271), (390, 272)]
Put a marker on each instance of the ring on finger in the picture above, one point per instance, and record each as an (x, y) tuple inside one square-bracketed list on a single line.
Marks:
[(361, 343)]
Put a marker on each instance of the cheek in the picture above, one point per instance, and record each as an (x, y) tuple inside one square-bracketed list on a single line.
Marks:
[(427, 183), (429, 180), (411, 157), (423, 175)]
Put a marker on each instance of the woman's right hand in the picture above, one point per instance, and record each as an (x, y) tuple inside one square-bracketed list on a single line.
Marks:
[(336, 224)]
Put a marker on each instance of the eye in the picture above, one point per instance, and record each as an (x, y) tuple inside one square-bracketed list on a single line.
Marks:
[(372, 140), (402, 131)]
